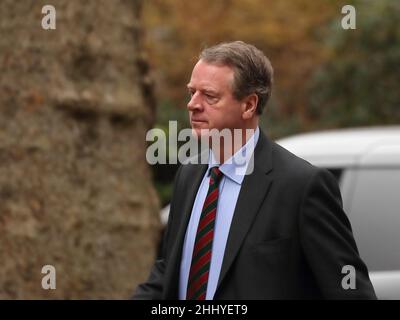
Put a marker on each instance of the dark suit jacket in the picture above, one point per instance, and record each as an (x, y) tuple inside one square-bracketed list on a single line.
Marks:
[(289, 237)]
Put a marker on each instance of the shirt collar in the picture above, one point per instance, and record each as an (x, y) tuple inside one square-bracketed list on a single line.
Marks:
[(236, 166)]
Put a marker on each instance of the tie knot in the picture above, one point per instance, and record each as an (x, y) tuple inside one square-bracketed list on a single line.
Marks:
[(216, 175)]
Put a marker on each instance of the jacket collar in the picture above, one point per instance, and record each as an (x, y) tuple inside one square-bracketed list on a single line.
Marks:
[(254, 188)]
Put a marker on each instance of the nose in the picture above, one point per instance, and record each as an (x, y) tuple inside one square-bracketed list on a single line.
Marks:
[(194, 102)]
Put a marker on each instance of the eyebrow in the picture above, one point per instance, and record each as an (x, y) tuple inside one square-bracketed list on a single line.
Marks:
[(206, 90), (212, 91)]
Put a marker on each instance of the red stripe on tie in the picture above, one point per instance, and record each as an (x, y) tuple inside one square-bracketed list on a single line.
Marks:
[(210, 198), (199, 264), (205, 221), (196, 285), (202, 296), (202, 242)]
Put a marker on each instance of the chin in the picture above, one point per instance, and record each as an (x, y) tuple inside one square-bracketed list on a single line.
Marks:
[(196, 132), (198, 129)]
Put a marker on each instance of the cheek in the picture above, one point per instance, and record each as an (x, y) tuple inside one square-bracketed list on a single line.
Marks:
[(223, 120), (231, 115), (224, 115)]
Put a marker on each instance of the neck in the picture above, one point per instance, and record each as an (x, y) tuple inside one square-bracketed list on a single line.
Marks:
[(226, 145)]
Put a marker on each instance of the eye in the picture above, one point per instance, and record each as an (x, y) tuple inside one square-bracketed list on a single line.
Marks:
[(191, 93), (211, 98)]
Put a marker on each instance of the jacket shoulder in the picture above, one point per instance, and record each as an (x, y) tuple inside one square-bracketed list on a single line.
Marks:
[(284, 160)]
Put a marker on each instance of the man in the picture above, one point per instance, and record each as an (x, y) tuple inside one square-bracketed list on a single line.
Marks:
[(274, 231)]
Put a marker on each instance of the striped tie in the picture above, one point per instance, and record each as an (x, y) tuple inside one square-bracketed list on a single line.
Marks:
[(200, 266)]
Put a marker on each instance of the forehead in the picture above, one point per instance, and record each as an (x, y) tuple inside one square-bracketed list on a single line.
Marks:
[(210, 75)]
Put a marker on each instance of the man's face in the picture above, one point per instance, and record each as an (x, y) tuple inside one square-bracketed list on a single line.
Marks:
[(212, 105)]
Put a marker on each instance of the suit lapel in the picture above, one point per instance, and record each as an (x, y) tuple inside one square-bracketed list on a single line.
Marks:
[(186, 196), (253, 191)]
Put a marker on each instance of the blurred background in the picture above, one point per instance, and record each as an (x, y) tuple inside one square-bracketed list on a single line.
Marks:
[(76, 102)]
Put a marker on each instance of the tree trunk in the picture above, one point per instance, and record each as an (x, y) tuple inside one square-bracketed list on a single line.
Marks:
[(75, 188)]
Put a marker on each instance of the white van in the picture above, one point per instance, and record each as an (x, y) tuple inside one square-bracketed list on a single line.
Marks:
[(366, 163)]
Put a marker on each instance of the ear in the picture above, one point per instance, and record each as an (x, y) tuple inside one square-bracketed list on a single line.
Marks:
[(249, 106)]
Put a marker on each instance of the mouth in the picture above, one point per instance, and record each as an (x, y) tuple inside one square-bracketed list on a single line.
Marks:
[(198, 121)]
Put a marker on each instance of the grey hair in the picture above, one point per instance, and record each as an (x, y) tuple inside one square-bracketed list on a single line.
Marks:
[(253, 71)]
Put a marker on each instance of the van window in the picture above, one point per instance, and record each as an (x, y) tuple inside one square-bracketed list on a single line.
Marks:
[(375, 217)]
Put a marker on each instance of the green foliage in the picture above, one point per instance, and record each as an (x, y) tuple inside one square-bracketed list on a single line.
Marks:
[(285, 30), (164, 191), (163, 174), (324, 76), (359, 85)]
